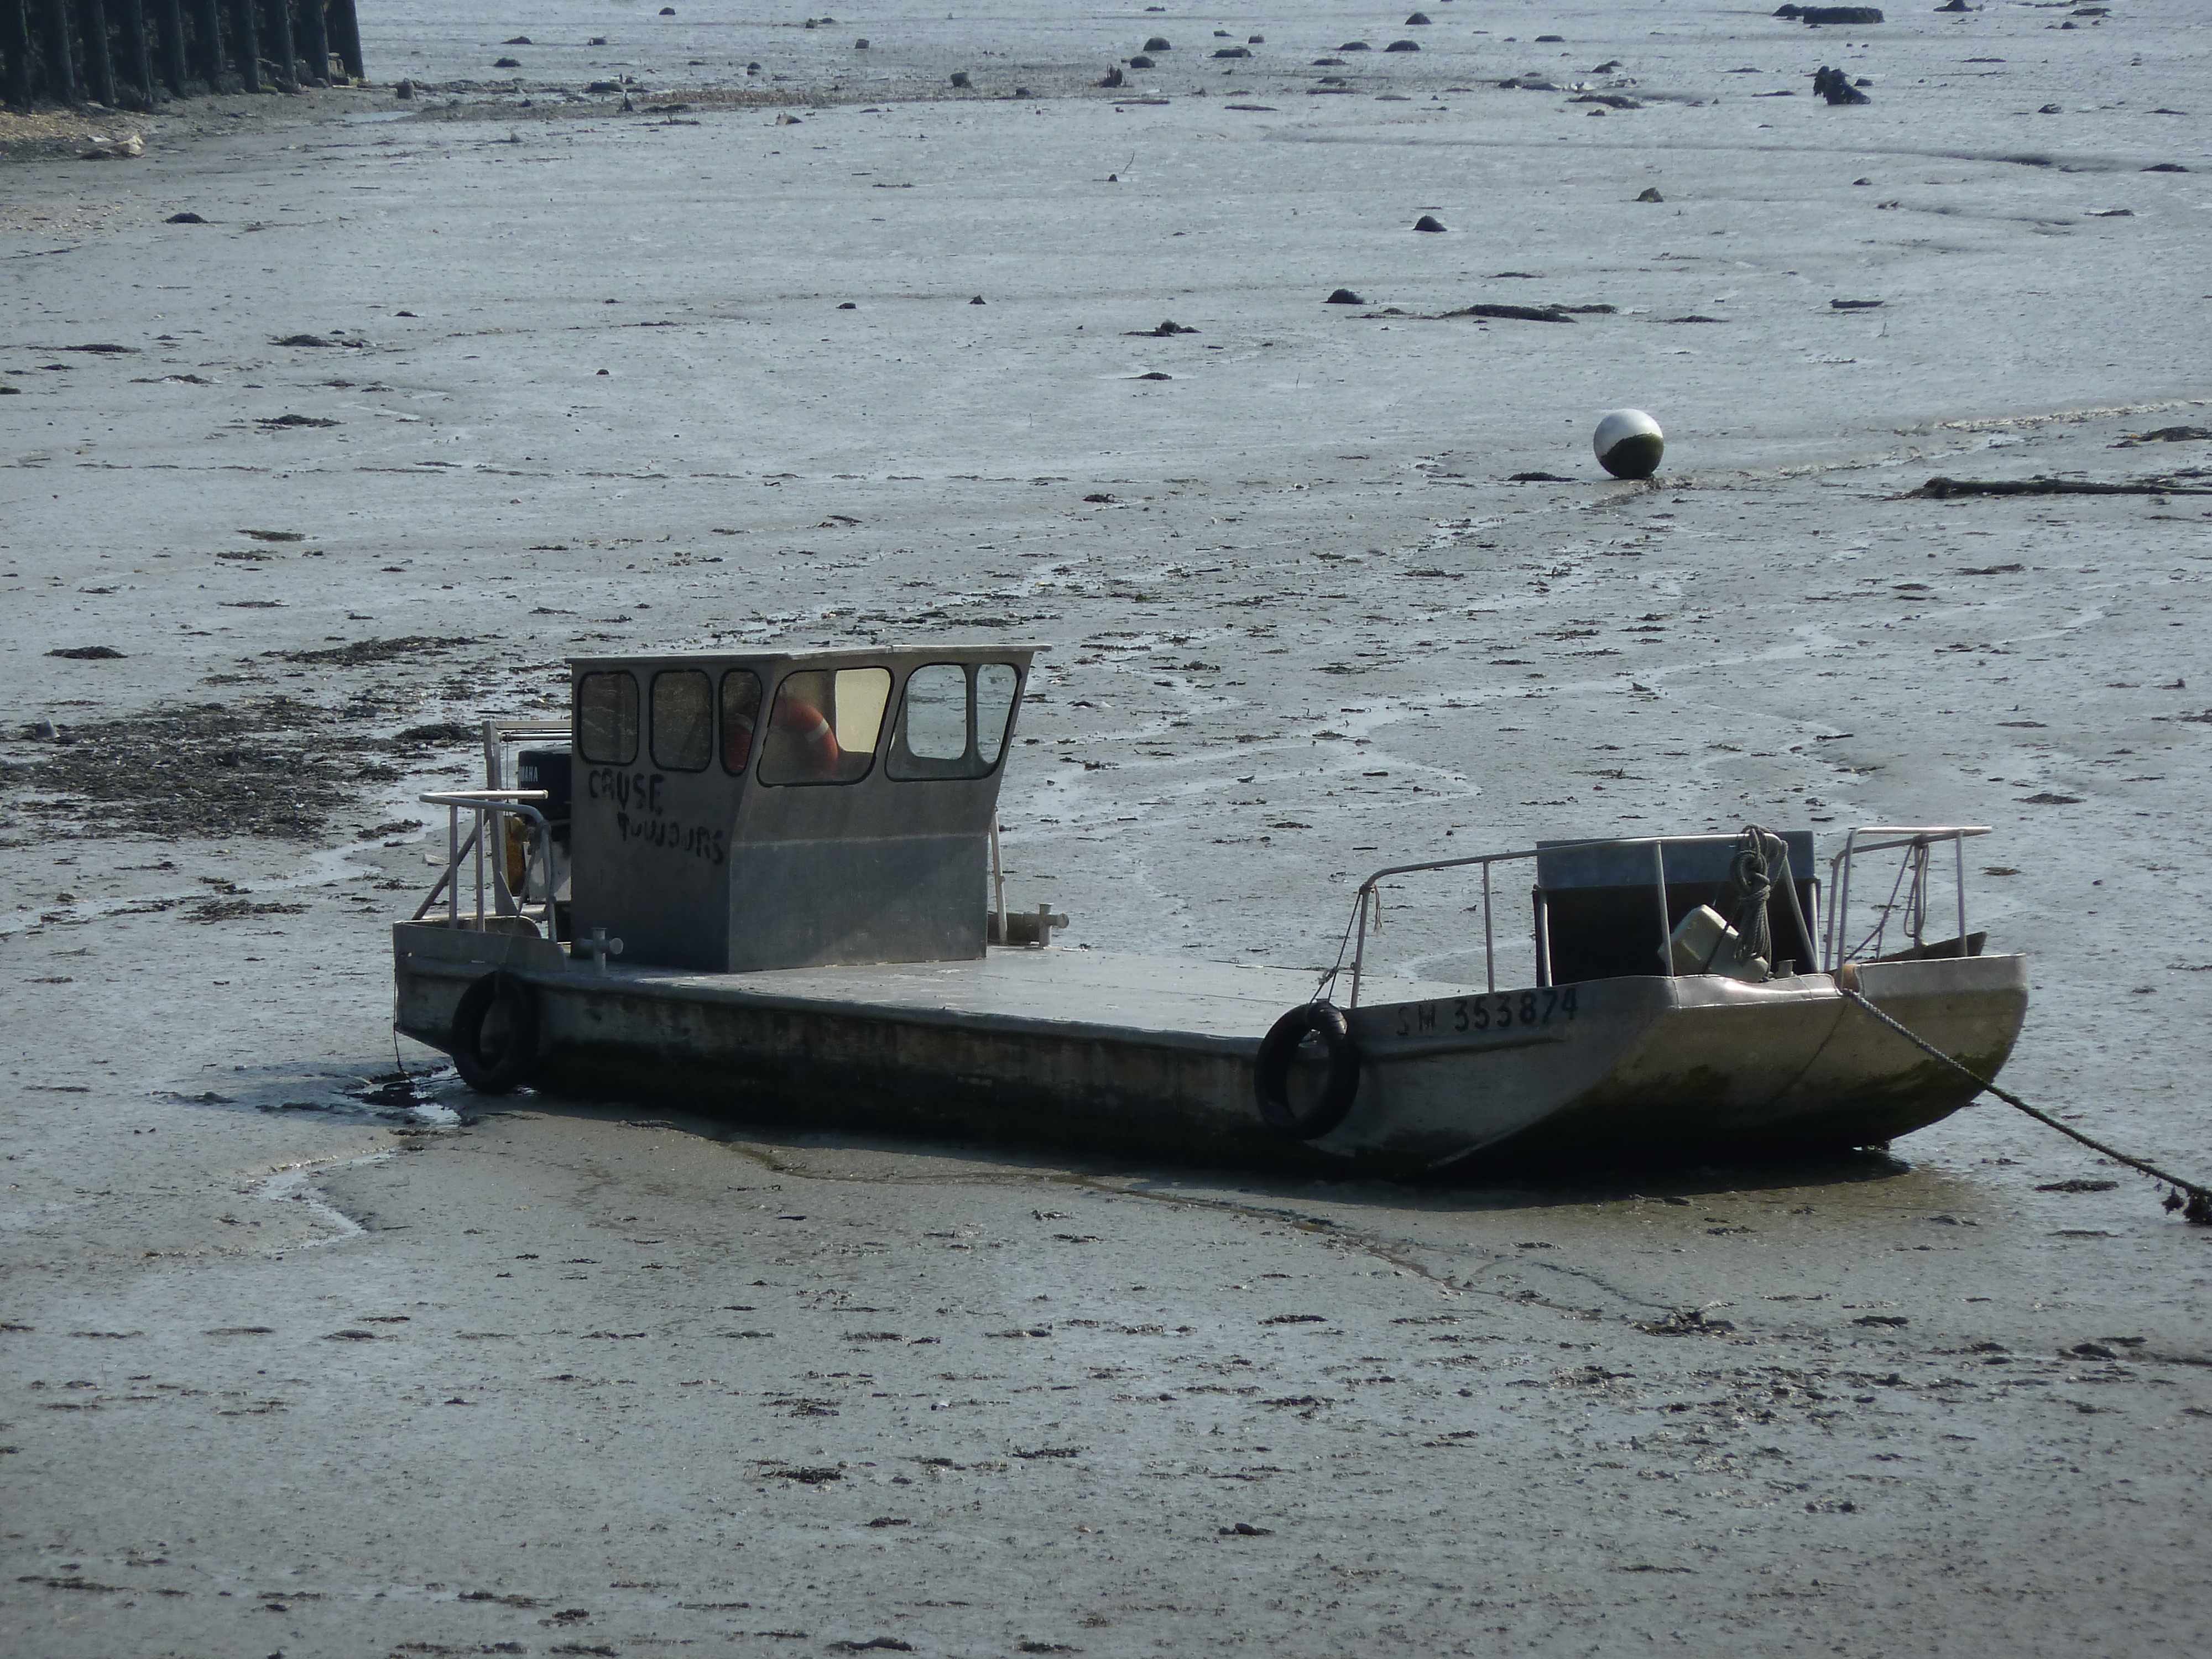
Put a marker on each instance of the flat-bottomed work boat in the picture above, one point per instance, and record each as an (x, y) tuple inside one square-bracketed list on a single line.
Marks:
[(768, 884)]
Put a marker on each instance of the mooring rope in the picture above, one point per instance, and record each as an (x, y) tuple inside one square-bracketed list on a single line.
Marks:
[(2196, 1206)]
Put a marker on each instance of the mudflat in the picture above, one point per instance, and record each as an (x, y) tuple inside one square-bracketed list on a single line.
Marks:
[(303, 1358)]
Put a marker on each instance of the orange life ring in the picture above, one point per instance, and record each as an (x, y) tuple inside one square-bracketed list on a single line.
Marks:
[(799, 719), (794, 718)]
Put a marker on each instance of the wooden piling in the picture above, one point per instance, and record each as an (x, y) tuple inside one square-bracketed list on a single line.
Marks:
[(169, 28), (276, 20), (208, 60), (60, 51), (315, 41), (16, 48), (345, 37), (245, 44), (137, 72)]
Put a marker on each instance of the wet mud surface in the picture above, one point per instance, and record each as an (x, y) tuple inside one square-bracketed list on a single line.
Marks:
[(302, 1357)]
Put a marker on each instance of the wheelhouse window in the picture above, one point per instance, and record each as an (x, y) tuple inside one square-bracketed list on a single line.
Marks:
[(682, 720), (953, 721), (824, 726), (741, 701), (606, 718)]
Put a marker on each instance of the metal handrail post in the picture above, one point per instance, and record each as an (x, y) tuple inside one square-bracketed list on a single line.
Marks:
[(1959, 882), (1489, 948), (1797, 910), (483, 820), (1666, 931), (1359, 944), (997, 880), (1842, 884), (1828, 920), (452, 865)]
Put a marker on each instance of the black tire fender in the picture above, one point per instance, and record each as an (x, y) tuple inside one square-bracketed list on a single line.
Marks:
[(497, 1072), (1271, 1072)]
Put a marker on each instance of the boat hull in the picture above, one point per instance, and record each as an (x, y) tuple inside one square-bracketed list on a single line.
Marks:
[(1155, 1057)]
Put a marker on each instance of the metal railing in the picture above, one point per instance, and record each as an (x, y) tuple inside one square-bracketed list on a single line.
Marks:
[(1658, 844), (1919, 842), (488, 807)]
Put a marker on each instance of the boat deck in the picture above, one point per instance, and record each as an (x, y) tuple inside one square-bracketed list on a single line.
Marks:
[(1122, 991)]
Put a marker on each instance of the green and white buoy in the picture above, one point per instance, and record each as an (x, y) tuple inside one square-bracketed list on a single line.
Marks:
[(1629, 444)]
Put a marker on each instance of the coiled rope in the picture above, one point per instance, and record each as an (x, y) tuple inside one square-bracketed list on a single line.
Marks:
[(2194, 1201)]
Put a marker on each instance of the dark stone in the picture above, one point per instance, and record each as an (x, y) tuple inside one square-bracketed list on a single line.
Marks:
[(1141, 62), (1954, 5), (1417, 20), (1155, 374), (1428, 222), (1652, 194), (1328, 62), (2165, 166), (1403, 46), (860, 44), (668, 11), (507, 62), (1343, 296), (1232, 51), (404, 89), (1255, 40), (960, 78), (1835, 87), (184, 219), (848, 306), (1521, 313), (1158, 43), (1355, 45), (1113, 78), (85, 652), (1834, 16), (1854, 305), (519, 40), (605, 86), (977, 301)]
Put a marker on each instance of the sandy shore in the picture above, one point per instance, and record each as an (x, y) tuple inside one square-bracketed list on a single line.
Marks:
[(426, 403)]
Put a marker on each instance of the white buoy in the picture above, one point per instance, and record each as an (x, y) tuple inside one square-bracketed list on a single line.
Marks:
[(1629, 444)]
